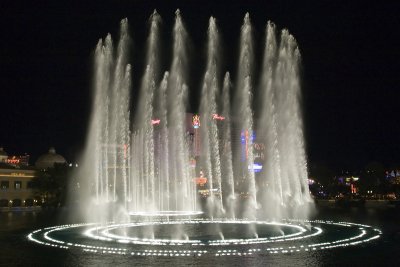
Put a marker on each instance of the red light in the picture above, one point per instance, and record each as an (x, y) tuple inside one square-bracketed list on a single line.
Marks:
[(218, 117), (13, 161), (200, 180)]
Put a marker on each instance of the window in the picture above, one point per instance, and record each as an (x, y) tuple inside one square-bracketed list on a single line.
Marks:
[(5, 184), (29, 184), (17, 185)]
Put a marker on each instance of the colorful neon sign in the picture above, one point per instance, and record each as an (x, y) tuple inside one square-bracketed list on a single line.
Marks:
[(155, 122), (247, 139), (200, 180), (256, 167), (196, 121), (218, 117), (12, 161)]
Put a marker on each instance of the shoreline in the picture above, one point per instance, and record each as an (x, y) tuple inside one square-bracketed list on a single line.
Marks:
[(318, 202)]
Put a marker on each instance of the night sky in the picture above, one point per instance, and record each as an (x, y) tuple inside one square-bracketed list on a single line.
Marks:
[(350, 68)]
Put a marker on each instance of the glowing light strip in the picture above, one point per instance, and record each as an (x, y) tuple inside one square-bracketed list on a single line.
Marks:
[(124, 239), (17, 176), (42, 237)]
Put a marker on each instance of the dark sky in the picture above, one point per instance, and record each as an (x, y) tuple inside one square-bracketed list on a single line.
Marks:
[(350, 64)]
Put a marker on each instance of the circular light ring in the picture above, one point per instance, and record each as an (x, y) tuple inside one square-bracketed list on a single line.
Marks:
[(165, 213), (103, 233), (359, 234)]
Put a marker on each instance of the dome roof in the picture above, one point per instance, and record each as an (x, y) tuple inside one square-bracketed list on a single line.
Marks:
[(49, 159)]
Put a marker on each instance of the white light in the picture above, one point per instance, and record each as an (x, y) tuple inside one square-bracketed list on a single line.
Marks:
[(365, 234), (165, 213)]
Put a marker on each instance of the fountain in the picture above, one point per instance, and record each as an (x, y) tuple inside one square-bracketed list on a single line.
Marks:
[(139, 169), (140, 162)]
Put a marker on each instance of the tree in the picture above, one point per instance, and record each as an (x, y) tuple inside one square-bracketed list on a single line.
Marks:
[(374, 176), (51, 185)]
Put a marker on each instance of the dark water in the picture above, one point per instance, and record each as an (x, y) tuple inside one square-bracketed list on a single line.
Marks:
[(15, 250)]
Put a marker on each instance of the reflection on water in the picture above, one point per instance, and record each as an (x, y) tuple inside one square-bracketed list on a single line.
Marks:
[(16, 251)]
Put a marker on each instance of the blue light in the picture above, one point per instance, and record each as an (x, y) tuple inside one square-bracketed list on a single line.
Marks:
[(256, 167)]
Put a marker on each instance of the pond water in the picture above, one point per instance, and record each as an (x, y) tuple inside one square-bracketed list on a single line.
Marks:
[(16, 250)]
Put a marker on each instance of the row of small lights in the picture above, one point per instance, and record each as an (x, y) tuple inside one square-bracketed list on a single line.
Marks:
[(291, 249), (106, 236), (168, 213)]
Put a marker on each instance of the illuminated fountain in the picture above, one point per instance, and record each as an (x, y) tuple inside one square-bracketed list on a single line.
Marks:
[(139, 162), (137, 182)]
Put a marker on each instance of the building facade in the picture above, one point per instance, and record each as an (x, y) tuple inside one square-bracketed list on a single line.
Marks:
[(16, 187), (16, 178)]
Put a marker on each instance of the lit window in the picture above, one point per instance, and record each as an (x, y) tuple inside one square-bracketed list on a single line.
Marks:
[(5, 184), (17, 185)]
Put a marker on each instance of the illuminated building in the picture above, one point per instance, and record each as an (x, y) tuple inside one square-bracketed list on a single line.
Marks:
[(393, 176), (15, 181), (18, 160), (16, 187), (351, 182), (16, 178), (241, 142)]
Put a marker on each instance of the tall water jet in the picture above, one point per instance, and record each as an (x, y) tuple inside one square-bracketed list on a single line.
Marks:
[(118, 115), (160, 176), (226, 158), (210, 147), (143, 122), (293, 163), (285, 191), (177, 100), (163, 166), (271, 192), (103, 66), (105, 160), (243, 100)]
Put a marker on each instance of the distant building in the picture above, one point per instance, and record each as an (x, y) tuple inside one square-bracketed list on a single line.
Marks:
[(16, 187), (48, 160), (16, 177), (351, 182), (15, 181)]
